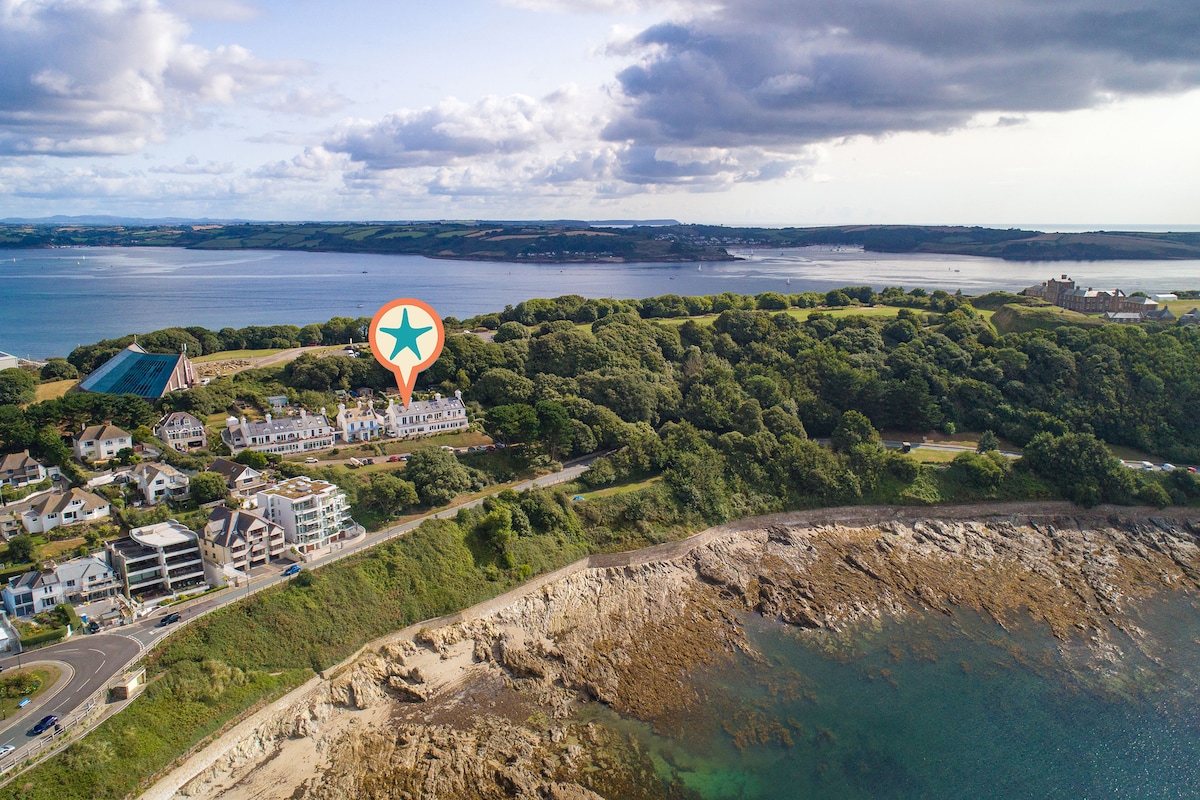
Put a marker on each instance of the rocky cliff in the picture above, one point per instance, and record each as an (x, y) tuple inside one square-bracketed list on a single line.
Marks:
[(499, 705)]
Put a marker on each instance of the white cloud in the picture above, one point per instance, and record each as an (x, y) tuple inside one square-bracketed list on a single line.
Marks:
[(100, 78), (217, 10), (452, 130)]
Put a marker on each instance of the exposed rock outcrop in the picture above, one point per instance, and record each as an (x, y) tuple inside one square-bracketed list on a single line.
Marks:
[(489, 706)]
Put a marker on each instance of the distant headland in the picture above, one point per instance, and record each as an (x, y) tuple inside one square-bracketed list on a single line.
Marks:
[(567, 241)]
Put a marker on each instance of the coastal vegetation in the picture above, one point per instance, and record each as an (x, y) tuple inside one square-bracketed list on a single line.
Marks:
[(751, 412), (576, 241)]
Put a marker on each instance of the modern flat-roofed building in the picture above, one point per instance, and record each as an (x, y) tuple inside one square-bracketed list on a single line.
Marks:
[(427, 417), (182, 431), (159, 559), (282, 436), (313, 513)]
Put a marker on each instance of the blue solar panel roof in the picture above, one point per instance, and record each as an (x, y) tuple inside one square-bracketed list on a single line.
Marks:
[(131, 372)]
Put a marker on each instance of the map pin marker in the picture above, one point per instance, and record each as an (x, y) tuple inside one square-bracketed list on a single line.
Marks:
[(406, 337)]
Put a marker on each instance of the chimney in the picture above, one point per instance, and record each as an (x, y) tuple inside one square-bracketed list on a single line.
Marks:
[(268, 417), (303, 413), (458, 394), (437, 396)]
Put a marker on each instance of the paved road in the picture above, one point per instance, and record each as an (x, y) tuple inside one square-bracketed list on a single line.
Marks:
[(90, 661), (94, 659)]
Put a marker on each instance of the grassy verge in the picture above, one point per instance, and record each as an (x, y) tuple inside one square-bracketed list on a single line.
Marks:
[(226, 355), (53, 389), (44, 676)]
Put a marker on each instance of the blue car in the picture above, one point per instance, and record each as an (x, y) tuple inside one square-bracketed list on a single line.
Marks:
[(294, 569), (44, 724)]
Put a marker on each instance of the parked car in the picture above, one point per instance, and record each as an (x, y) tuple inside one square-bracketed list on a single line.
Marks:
[(1147, 465), (44, 724), (393, 459), (294, 569), (1168, 467), (310, 460), (368, 461), (1192, 470), (6, 749), (169, 619)]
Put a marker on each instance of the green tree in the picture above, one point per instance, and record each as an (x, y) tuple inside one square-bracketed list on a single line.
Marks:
[(853, 428), (58, 369), (437, 476), (554, 427), (516, 422), (17, 387), (987, 442), (1080, 466), (252, 459), (22, 549), (207, 487)]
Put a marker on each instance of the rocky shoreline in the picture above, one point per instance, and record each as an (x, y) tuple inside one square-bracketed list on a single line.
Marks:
[(495, 702)]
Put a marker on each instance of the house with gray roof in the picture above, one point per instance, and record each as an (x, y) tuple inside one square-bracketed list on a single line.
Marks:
[(182, 431), (101, 442), (282, 435), (237, 541), (64, 508), (21, 469), (158, 482), (242, 480)]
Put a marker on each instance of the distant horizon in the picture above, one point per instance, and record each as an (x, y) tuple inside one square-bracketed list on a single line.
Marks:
[(115, 219)]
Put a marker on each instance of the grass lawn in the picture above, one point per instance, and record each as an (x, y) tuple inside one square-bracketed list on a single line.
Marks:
[(59, 546), (48, 676), (624, 488), (931, 456), (226, 355), (54, 389)]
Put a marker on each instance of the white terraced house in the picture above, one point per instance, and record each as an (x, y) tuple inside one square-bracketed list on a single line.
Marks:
[(426, 417), (313, 513), (283, 435), (360, 423)]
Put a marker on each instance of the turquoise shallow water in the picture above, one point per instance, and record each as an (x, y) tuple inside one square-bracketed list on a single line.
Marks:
[(937, 707)]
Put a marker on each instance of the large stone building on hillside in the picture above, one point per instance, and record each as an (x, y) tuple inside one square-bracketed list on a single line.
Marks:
[(282, 436)]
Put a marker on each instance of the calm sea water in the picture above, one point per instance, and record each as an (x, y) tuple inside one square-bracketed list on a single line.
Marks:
[(53, 300), (936, 707)]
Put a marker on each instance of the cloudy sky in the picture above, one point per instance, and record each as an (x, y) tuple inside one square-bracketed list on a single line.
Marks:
[(1031, 112)]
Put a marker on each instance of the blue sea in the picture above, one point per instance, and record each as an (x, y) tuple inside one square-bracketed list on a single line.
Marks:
[(944, 707), (53, 300)]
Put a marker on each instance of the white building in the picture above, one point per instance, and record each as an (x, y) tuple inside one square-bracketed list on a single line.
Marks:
[(101, 442), (360, 423), (426, 417), (313, 513), (158, 559), (80, 580), (283, 436), (182, 431), (240, 540), (64, 508), (9, 361), (22, 469), (158, 482)]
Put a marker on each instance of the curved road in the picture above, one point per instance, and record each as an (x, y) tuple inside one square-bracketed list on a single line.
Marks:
[(96, 658), (93, 659)]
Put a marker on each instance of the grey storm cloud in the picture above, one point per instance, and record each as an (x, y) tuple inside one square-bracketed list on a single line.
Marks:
[(792, 72)]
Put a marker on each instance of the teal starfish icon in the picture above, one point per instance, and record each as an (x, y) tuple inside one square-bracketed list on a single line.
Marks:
[(406, 337)]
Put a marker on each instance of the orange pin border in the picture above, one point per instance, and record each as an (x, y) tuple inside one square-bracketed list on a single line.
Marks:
[(406, 389)]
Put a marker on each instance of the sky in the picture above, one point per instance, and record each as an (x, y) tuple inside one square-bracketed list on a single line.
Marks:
[(1038, 113)]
